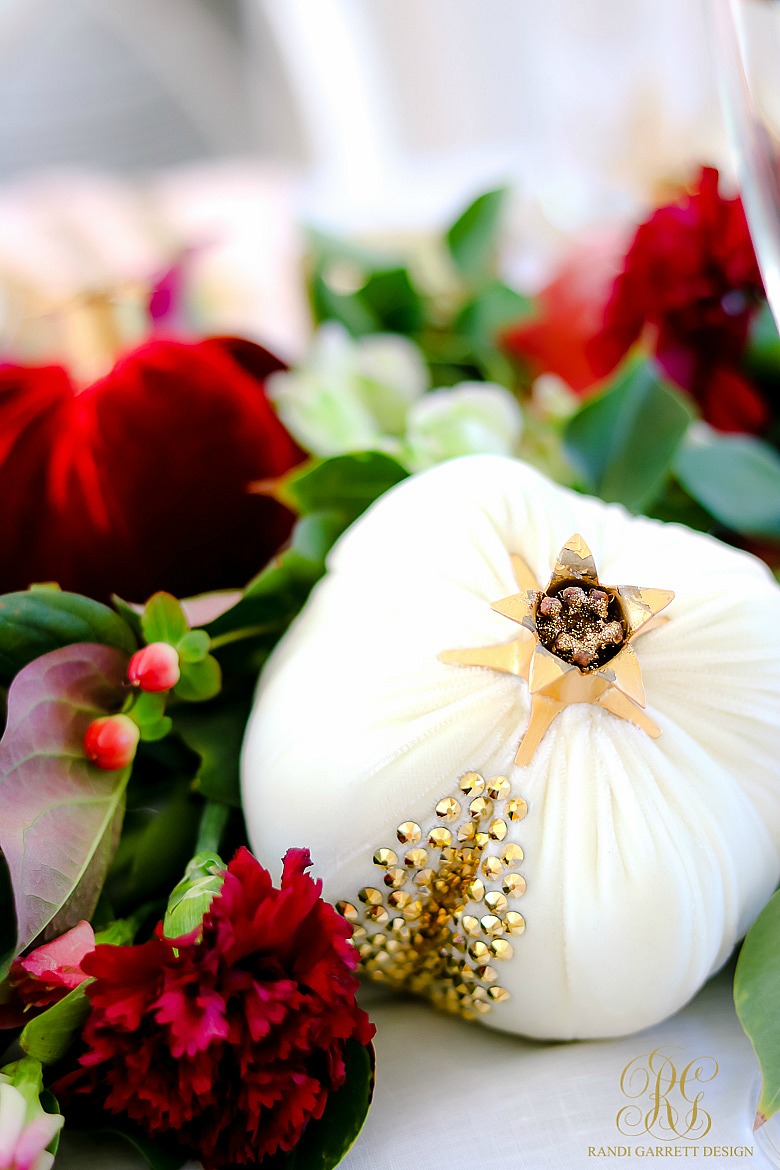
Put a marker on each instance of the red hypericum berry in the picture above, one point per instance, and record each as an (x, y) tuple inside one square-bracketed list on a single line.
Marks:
[(111, 741), (154, 668)]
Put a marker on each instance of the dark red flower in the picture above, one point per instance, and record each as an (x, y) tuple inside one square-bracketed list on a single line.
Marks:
[(139, 482), (692, 279), (689, 286), (230, 1042)]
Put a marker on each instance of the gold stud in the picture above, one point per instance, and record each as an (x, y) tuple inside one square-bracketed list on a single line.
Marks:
[(395, 878), (439, 838), (498, 994), (476, 891), (492, 925), (479, 951), (496, 902), (487, 974), (370, 896), (416, 859), (492, 867), (348, 911), (472, 784), (501, 949), (498, 788), (424, 877), (481, 808), (409, 833), (514, 885), (470, 924), (399, 899), (497, 830), (516, 809), (514, 923), (385, 858), (511, 855), (448, 809), (467, 831)]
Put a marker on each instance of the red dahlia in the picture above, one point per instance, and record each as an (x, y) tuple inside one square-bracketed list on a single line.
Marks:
[(229, 1040)]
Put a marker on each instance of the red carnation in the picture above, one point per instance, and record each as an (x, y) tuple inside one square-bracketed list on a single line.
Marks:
[(689, 286), (691, 277), (139, 481), (229, 1040)]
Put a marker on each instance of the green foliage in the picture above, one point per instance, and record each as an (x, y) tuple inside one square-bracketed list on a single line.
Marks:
[(158, 839), (40, 620), (473, 238), (366, 291), (215, 733), (329, 495), (164, 620), (623, 441), (326, 1142), (736, 478), (56, 805), (158, 1154), (48, 1036), (148, 711), (757, 995), (345, 485), (194, 646), (199, 680)]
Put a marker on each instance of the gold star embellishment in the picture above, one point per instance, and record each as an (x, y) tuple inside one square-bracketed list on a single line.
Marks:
[(574, 644)]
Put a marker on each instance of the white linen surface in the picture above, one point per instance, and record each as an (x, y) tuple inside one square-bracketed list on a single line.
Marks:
[(452, 1096)]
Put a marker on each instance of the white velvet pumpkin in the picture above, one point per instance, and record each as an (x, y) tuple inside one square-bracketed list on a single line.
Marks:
[(645, 859)]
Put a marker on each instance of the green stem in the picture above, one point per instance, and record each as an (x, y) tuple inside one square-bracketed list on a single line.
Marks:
[(242, 634), (213, 821)]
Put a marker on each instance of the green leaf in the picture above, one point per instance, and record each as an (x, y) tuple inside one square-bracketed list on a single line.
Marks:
[(129, 613), (347, 484), (158, 840), (346, 308), (158, 1154), (61, 815), (164, 620), (393, 301), (49, 1036), (623, 442), (277, 594), (216, 733), (756, 996), (736, 478), (194, 646), (40, 620), (331, 493), (199, 680), (494, 308), (473, 238), (326, 1142)]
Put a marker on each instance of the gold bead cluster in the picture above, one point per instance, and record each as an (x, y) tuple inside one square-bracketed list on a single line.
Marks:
[(441, 913)]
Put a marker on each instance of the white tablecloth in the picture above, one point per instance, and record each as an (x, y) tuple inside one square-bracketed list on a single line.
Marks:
[(456, 1096)]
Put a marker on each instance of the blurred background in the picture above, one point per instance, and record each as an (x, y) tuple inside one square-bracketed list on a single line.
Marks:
[(131, 130)]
